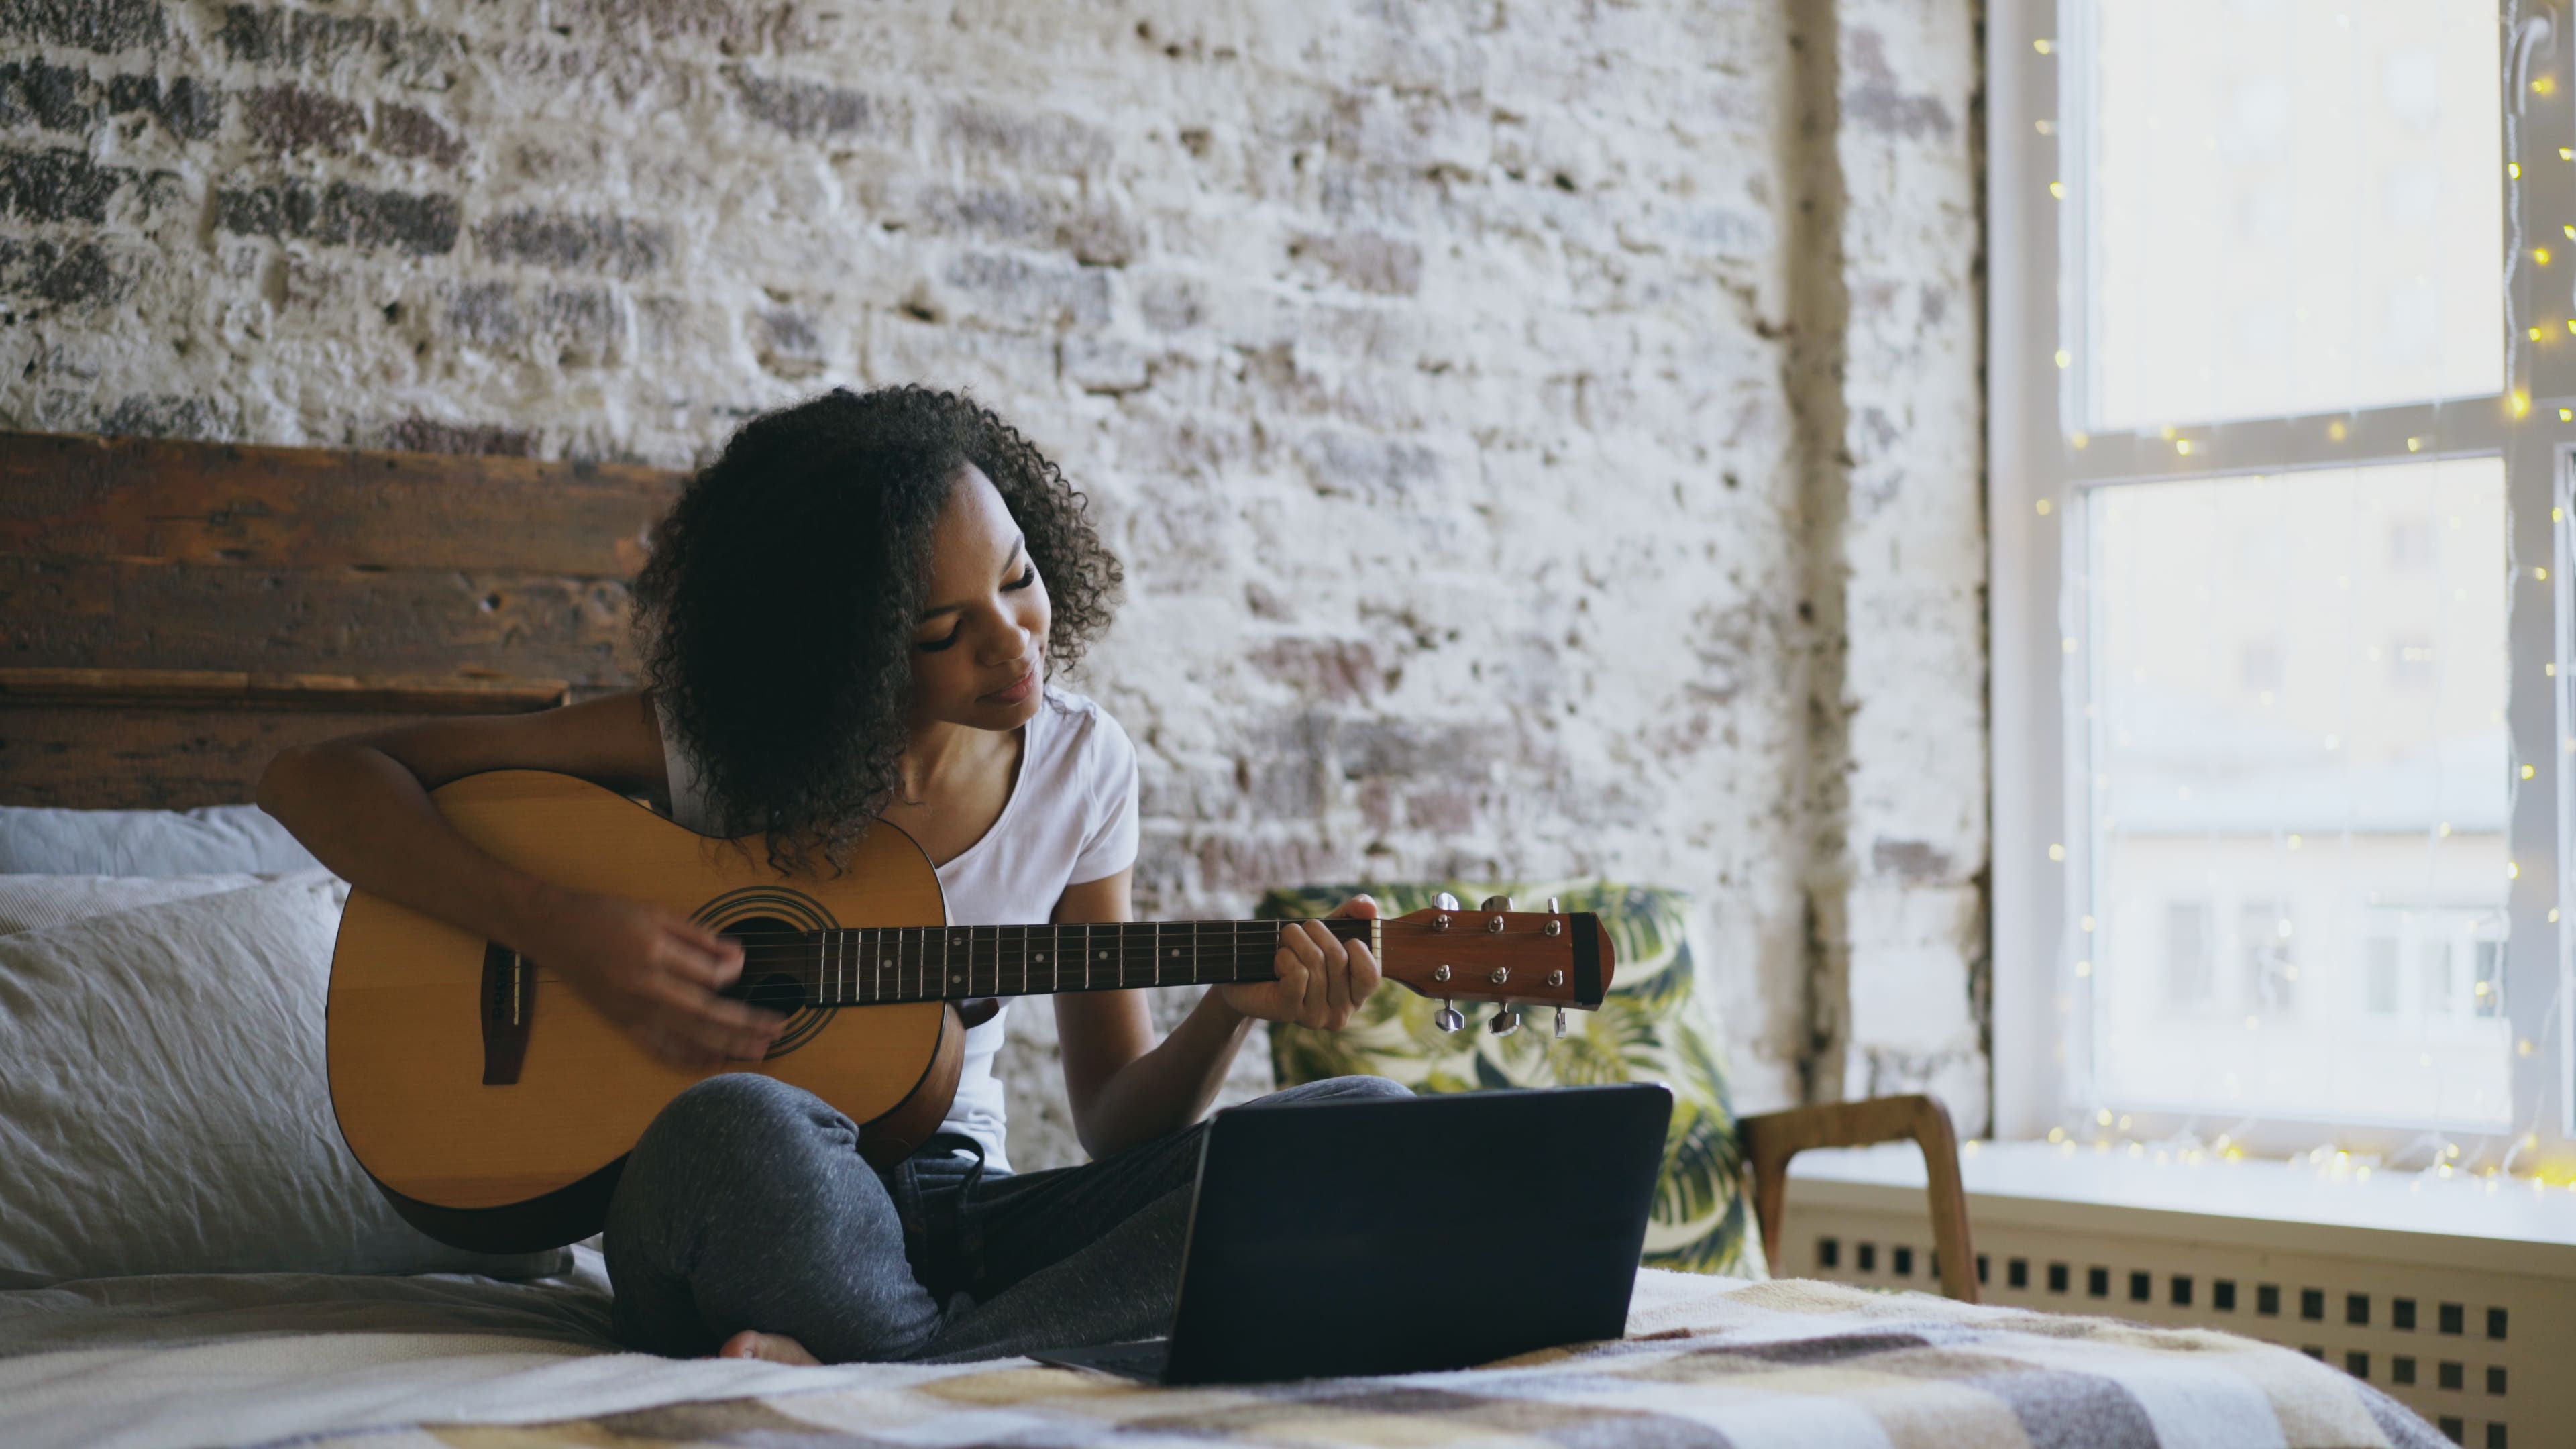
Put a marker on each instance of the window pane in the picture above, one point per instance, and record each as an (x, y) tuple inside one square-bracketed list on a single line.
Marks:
[(2300, 791), (2297, 207)]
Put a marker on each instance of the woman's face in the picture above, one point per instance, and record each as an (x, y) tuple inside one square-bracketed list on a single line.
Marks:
[(979, 646)]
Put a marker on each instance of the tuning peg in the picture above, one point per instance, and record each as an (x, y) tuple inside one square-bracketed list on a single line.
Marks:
[(1552, 906), (1560, 1023), (1444, 902), (1448, 1020), (1505, 1022), (1496, 903)]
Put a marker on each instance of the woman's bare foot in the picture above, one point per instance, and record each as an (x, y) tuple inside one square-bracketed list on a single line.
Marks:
[(768, 1348)]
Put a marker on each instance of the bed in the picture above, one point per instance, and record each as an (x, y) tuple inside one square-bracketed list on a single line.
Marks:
[(176, 612)]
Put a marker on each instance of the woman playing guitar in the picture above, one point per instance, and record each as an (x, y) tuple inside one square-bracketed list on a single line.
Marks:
[(853, 613)]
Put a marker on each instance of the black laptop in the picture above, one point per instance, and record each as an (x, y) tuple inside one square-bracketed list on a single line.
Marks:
[(1393, 1236)]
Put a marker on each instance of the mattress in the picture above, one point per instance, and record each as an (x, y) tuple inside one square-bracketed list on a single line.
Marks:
[(173, 1362)]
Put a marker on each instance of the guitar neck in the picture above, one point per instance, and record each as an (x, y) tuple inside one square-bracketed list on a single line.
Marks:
[(882, 966)]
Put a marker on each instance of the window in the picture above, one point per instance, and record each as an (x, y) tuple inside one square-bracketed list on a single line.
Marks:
[(2284, 382)]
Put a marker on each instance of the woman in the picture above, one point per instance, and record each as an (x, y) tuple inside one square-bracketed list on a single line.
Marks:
[(852, 614)]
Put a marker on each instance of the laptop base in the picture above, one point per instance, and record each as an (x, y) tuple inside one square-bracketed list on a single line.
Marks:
[(1144, 1361)]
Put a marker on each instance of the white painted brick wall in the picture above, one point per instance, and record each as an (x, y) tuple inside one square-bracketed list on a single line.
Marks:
[(1430, 366)]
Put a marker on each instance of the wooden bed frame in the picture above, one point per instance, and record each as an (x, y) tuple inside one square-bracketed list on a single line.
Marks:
[(177, 613)]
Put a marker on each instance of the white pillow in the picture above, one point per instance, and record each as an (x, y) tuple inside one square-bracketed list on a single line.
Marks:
[(212, 839), (163, 1106), (40, 902)]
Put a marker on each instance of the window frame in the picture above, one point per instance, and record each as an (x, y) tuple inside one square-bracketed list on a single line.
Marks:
[(2037, 305)]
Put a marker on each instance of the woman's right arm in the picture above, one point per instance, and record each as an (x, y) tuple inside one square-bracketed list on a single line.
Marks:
[(361, 805)]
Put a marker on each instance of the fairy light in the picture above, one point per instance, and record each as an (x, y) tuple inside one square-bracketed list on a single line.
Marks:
[(2044, 47), (2540, 255), (2081, 439), (2057, 852), (2540, 574), (2526, 772), (2535, 336), (2045, 507), (2102, 1117), (2416, 445), (2057, 189), (2335, 431), (2083, 968), (2182, 446), (2513, 170), (2520, 402)]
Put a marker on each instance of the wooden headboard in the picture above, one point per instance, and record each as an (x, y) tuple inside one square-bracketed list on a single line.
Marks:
[(176, 613)]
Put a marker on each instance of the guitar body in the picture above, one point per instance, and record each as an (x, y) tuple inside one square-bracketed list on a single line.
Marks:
[(494, 1107)]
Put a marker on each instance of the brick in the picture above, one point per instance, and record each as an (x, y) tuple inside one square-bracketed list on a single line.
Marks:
[(1017, 291), (53, 97), (306, 40), (786, 344), (576, 242), (342, 214), (74, 274), (57, 185), (105, 27), (167, 415), (417, 434), (291, 118), (411, 132), (988, 136), (190, 108), (1333, 671), (1382, 473), (1363, 261), (804, 109)]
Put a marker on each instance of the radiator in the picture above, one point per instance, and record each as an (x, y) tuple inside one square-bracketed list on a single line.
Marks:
[(2457, 1298)]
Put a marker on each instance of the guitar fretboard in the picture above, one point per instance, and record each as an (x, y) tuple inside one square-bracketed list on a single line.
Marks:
[(874, 967)]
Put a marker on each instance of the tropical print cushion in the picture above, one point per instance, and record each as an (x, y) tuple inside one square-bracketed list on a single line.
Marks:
[(1655, 1025)]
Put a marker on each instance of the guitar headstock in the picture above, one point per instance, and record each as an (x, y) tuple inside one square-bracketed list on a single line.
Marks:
[(1494, 953)]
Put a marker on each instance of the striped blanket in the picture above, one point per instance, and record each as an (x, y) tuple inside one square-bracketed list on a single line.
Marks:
[(1799, 1365)]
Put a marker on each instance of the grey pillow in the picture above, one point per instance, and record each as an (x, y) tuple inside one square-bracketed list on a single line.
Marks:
[(210, 840), (164, 1106), (42, 902)]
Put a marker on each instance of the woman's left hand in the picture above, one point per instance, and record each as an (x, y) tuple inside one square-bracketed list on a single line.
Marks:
[(1321, 978)]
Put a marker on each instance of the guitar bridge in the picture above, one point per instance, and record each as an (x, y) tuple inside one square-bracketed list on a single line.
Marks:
[(509, 1001)]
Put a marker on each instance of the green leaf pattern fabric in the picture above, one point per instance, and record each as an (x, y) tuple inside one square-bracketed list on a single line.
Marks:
[(1653, 1026)]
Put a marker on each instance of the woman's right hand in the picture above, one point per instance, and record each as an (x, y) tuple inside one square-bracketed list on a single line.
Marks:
[(654, 974)]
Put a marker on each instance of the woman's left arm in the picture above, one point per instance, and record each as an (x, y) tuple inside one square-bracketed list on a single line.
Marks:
[(1125, 1087)]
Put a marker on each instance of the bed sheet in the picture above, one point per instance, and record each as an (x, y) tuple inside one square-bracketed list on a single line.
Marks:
[(408, 1363)]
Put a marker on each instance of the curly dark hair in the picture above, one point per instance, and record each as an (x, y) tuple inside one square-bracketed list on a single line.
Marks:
[(776, 612)]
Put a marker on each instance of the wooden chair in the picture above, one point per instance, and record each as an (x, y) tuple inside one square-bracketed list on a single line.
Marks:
[(1772, 1138)]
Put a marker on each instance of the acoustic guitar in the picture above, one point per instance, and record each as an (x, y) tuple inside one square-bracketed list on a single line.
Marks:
[(495, 1108)]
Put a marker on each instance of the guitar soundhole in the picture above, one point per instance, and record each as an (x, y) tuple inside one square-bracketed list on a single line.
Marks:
[(765, 983)]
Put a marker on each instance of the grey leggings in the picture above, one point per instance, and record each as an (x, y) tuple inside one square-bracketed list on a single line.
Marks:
[(747, 1205)]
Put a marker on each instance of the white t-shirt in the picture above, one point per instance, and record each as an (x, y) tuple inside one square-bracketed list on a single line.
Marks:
[(1070, 818)]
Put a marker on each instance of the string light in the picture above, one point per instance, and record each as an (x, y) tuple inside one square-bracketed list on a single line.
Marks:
[(2065, 358), (2057, 852), (2520, 402), (2044, 507), (2182, 446), (2540, 255), (2057, 189), (2044, 47), (2335, 431), (2080, 439), (2513, 170)]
